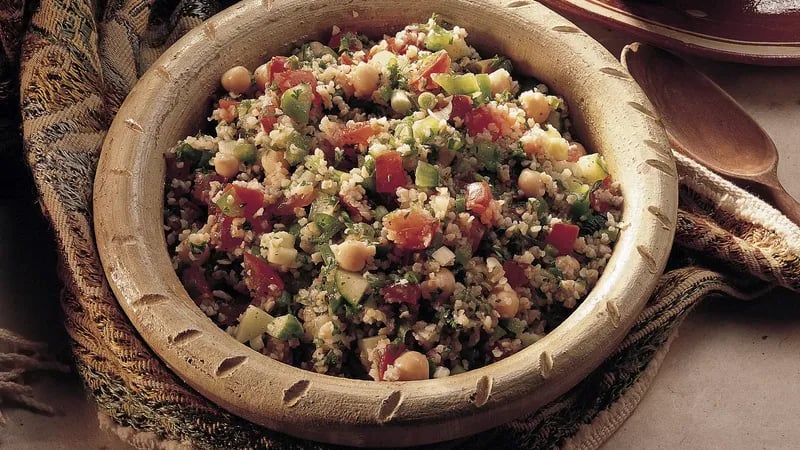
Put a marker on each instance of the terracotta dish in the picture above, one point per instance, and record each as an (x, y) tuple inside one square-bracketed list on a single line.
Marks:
[(751, 31), (172, 99)]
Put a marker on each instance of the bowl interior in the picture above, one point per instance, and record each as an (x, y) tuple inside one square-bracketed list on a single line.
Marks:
[(172, 99)]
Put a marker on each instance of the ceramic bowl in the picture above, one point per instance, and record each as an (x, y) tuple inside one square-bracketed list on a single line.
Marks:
[(610, 114)]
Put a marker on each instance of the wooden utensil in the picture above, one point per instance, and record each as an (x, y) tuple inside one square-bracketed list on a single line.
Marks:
[(705, 123)]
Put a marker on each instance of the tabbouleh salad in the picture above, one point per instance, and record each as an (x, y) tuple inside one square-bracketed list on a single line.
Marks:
[(394, 210)]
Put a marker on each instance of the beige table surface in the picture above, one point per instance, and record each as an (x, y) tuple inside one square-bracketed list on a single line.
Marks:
[(731, 380)]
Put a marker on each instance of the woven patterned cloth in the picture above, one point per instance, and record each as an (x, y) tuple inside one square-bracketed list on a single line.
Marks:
[(79, 58)]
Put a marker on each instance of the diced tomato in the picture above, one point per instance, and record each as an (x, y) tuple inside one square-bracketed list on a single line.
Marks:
[(388, 356), (562, 236), (287, 206), (202, 186), (227, 243), (475, 233), (228, 109), (261, 276), (389, 173), (515, 273), (413, 229), (478, 197), (246, 202), (358, 134), (479, 120), (462, 105), (391, 45), (176, 169), (354, 43), (574, 153), (352, 209), (596, 204), (268, 119), (291, 78), (346, 59), (439, 63), (401, 293), (194, 279), (275, 65)]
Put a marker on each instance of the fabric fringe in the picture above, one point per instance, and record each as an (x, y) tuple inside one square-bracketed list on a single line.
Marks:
[(18, 357)]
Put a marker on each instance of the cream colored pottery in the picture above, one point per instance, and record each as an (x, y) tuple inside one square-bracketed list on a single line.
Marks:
[(173, 98)]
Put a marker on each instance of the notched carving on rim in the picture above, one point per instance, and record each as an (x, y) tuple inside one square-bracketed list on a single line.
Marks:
[(613, 312), (389, 406), (121, 172), (210, 31), (661, 216), (124, 239), (149, 300), (483, 390), (565, 29), (134, 125), (518, 4), (163, 73), (659, 148), (649, 261), (615, 73), (295, 393), (662, 166), (642, 109), (229, 365), (546, 364), (186, 336)]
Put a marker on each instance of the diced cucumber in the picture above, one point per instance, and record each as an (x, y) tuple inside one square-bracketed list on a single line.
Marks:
[(253, 323), (403, 132), (426, 175), (351, 286), (426, 100), (489, 155), (457, 84), (228, 203), (427, 128), (365, 347), (285, 327), (461, 204), (296, 148), (592, 168), (438, 39), (556, 148), (245, 152), (581, 205), (296, 103), (528, 338), (485, 87)]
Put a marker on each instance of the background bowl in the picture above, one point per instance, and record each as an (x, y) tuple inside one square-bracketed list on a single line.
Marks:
[(172, 100)]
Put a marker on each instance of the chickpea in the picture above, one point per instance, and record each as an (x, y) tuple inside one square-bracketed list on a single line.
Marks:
[(261, 75), (535, 105), (411, 366), (443, 280), (500, 81), (505, 301), (226, 164), (530, 182), (365, 78), (353, 254), (236, 79)]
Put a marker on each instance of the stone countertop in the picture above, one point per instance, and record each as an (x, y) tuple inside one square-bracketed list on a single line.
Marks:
[(729, 380)]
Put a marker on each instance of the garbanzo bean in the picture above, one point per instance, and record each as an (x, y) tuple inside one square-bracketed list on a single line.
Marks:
[(226, 164), (506, 302), (236, 79), (535, 105), (530, 182), (411, 366)]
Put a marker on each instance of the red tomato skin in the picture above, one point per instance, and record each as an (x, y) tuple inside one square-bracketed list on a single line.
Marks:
[(388, 357), (275, 65), (194, 279), (462, 105), (251, 199), (355, 135), (227, 243), (515, 273), (389, 173), (562, 236), (262, 275), (402, 293), (478, 120), (287, 205), (478, 197), (438, 64), (414, 229)]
